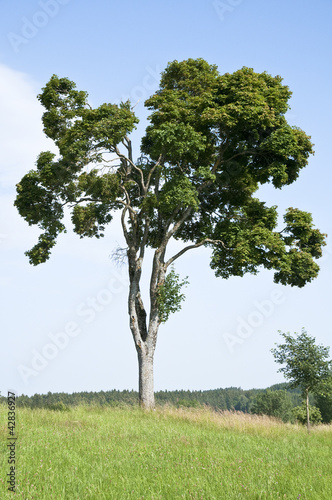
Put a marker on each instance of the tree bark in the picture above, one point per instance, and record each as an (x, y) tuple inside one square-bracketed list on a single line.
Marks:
[(146, 384), (307, 406)]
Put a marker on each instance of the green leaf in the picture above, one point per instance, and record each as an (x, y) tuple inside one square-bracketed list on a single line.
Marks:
[(170, 296)]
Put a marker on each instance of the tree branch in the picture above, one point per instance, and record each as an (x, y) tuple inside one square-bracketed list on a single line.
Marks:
[(176, 226), (130, 208), (195, 245), (125, 158), (129, 148), (216, 165), (132, 212), (124, 227), (241, 154), (145, 238), (73, 204), (151, 172)]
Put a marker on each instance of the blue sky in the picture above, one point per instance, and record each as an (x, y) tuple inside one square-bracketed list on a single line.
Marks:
[(64, 323)]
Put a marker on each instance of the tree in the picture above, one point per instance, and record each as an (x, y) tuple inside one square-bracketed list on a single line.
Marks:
[(212, 141), (306, 364), (274, 404)]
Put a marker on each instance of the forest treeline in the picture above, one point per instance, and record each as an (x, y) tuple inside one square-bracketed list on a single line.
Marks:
[(232, 398), (279, 400)]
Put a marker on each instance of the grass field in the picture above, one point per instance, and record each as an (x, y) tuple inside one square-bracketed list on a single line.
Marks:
[(125, 453)]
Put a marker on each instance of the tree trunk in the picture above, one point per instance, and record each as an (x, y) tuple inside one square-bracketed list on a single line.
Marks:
[(146, 387), (307, 405), (145, 336)]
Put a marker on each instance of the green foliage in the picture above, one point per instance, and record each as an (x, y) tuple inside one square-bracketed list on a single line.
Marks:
[(90, 220), (274, 404), (250, 241), (187, 403), (58, 406), (300, 414), (75, 127), (306, 364), (302, 242), (169, 295), (323, 401), (177, 192), (241, 118)]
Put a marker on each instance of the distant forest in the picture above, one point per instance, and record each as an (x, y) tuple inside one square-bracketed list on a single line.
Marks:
[(232, 398)]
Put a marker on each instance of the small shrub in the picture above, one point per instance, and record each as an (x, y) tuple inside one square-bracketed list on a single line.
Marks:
[(58, 406), (300, 414), (188, 403)]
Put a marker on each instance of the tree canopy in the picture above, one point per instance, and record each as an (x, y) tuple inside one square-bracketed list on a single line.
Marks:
[(212, 140)]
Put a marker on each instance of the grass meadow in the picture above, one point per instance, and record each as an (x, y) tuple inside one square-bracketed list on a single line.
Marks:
[(126, 453)]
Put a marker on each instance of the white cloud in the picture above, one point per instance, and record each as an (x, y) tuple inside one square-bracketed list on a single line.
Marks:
[(21, 127), (22, 138)]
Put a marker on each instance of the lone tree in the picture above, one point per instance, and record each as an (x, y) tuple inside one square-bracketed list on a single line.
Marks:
[(212, 141), (306, 364)]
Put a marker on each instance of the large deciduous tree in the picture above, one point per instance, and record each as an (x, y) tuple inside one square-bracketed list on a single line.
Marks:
[(212, 140), (306, 365)]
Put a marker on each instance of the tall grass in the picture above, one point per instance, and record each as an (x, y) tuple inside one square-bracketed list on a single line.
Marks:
[(121, 453)]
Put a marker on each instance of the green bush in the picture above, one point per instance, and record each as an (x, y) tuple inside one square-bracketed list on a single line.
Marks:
[(274, 404), (58, 406), (188, 403), (324, 402), (300, 414)]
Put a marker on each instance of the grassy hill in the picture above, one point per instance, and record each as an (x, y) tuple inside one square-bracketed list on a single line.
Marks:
[(125, 453)]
